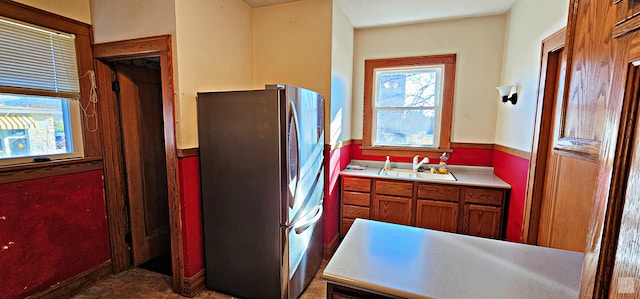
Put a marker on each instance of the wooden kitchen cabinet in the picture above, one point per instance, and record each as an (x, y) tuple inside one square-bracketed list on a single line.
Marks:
[(392, 209), (482, 221), (393, 201), (438, 215), (335, 291), (437, 207), (483, 212), (470, 210), (356, 200)]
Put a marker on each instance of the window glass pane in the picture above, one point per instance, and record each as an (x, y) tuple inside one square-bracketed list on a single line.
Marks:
[(34, 126), (413, 88), (405, 127)]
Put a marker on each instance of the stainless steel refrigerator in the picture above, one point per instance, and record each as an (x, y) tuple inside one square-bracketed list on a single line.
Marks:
[(262, 178)]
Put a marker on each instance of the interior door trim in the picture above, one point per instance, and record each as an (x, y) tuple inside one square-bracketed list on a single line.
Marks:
[(543, 123), (156, 46)]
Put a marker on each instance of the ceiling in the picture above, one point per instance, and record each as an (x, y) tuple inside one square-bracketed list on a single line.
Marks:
[(374, 13)]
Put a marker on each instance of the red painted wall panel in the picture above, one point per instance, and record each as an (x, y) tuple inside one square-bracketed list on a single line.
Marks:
[(459, 156), (192, 235), (335, 161), (513, 170), (471, 157), (51, 229)]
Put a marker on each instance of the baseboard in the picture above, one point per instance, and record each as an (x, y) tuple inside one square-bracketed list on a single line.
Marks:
[(77, 283), (193, 285), (330, 248)]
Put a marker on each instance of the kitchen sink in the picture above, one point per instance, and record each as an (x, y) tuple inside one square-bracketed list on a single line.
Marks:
[(408, 173)]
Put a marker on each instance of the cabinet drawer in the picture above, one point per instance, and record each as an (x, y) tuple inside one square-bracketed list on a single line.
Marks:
[(394, 188), (355, 212), (356, 184), (355, 198), (484, 196), (439, 192)]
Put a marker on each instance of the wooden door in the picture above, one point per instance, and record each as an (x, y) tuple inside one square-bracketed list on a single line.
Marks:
[(625, 202), (438, 215), (145, 162), (571, 168)]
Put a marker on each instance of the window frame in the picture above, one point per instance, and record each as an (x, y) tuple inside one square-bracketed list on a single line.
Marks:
[(448, 61), (88, 130)]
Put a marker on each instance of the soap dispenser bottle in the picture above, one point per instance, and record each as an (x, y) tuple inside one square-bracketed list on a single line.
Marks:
[(442, 167), (387, 164)]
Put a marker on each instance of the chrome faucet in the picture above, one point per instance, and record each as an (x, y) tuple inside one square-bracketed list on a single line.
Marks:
[(417, 165)]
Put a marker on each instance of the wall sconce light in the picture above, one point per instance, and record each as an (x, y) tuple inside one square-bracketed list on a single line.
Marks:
[(508, 93)]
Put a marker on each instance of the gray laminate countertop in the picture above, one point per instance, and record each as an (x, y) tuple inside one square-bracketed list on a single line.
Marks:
[(465, 175), (412, 262)]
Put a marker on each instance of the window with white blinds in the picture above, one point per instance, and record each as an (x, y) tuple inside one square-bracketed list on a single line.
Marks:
[(40, 111), (36, 60)]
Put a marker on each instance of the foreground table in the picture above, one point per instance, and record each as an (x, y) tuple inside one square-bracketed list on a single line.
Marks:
[(378, 259)]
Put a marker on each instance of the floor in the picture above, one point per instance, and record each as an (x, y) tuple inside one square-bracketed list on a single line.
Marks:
[(141, 283)]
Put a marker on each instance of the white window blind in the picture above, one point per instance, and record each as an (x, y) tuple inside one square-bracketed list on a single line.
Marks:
[(37, 61)]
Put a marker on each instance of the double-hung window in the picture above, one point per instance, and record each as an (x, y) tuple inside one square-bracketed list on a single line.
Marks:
[(39, 92), (408, 104)]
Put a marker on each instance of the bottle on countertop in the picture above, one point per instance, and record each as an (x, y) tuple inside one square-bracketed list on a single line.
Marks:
[(442, 167), (387, 164)]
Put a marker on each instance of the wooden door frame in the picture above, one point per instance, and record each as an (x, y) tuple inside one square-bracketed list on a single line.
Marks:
[(541, 140), (157, 46)]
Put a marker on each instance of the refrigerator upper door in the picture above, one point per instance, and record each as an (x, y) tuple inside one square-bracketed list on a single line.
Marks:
[(306, 114)]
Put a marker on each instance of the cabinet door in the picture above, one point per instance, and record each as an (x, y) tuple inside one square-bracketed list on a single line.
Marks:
[(437, 215), (392, 209), (482, 221)]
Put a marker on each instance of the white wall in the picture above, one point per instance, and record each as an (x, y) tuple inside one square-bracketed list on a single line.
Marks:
[(292, 45), (74, 9), (341, 76), (115, 20), (215, 52), (478, 43), (528, 23)]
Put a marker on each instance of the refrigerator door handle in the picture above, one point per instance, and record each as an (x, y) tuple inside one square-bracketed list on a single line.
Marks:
[(293, 181), (303, 225)]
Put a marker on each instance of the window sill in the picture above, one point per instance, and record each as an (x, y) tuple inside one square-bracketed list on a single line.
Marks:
[(30, 171), (403, 151)]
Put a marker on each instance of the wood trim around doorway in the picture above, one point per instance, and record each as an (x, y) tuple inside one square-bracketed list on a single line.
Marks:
[(541, 140), (157, 46)]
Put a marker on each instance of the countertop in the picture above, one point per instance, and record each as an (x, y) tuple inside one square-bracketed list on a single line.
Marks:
[(412, 262), (465, 175)]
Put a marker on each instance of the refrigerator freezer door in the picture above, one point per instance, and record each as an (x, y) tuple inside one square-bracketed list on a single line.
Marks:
[(305, 249)]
